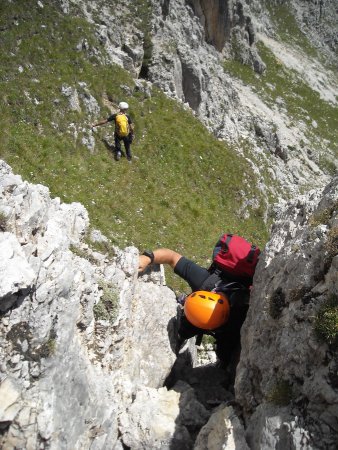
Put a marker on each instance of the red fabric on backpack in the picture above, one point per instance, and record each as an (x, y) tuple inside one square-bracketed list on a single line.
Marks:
[(235, 256)]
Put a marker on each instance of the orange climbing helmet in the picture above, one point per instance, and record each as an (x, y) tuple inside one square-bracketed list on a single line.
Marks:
[(207, 310)]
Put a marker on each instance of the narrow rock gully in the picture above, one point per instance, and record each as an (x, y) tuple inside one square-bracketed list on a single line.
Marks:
[(203, 388)]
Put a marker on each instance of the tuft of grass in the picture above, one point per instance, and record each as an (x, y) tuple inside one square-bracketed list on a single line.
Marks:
[(277, 303), (331, 244), (323, 216), (326, 323), (207, 339), (299, 293), (281, 394), (104, 247), (3, 221), (47, 349), (78, 251), (288, 28), (107, 307)]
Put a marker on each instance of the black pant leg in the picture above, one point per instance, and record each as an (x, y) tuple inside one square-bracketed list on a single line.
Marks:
[(186, 329), (126, 141), (228, 338), (117, 144)]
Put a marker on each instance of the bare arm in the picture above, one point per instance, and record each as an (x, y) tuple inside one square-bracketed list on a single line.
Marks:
[(161, 256), (101, 122)]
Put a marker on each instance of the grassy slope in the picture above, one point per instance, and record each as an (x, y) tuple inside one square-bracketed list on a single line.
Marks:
[(301, 102), (181, 192)]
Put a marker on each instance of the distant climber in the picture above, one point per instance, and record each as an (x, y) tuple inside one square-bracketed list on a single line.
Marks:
[(220, 295), (124, 130)]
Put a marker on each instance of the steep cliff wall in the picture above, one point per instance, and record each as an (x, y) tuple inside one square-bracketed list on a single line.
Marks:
[(287, 378), (228, 27)]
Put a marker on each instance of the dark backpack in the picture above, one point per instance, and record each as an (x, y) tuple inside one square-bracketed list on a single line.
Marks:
[(235, 257)]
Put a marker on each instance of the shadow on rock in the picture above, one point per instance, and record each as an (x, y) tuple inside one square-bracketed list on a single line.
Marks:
[(201, 390)]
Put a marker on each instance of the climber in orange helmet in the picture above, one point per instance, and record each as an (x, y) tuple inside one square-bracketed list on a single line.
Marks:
[(216, 306)]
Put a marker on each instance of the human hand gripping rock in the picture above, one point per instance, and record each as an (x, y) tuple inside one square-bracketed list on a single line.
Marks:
[(143, 263)]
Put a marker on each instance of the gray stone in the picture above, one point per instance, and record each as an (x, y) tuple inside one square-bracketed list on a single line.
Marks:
[(15, 271), (223, 430), (10, 394)]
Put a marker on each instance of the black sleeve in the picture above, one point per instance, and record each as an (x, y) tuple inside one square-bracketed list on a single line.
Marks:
[(129, 119), (192, 273), (111, 118)]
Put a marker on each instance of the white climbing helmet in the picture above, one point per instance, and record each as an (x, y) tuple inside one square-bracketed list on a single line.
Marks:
[(123, 105)]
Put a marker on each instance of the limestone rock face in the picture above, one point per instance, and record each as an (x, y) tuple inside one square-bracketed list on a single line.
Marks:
[(287, 377), (228, 27), (87, 347), (66, 371), (223, 430)]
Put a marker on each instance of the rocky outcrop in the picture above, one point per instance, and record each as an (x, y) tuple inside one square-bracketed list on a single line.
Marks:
[(228, 27), (287, 377), (318, 19), (71, 324)]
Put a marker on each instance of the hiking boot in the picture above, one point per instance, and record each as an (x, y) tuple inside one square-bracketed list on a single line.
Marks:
[(118, 156), (129, 158)]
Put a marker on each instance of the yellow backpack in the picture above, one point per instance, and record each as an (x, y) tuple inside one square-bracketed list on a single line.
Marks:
[(122, 125)]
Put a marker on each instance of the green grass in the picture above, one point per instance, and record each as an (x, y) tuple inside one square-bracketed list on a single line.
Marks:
[(326, 323), (281, 394), (181, 193), (3, 221), (288, 29), (107, 307)]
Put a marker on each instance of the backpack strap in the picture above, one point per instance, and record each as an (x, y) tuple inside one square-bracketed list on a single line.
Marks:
[(251, 254), (211, 281), (225, 244)]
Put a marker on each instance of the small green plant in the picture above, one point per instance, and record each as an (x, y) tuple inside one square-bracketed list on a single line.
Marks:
[(104, 247), (277, 303), (107, 307), (321, 217), (77, 251), (298, 293), (281, 393), (3, 221), (82, 253), (331, 244), (326, 323), (48, 348), (207, 339)]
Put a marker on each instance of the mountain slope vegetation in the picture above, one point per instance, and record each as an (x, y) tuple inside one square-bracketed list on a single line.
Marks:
[(183, 187)]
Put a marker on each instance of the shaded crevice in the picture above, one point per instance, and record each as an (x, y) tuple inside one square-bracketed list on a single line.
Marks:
[(202, 389), (165, 8), (191, 86), (214, 16)]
